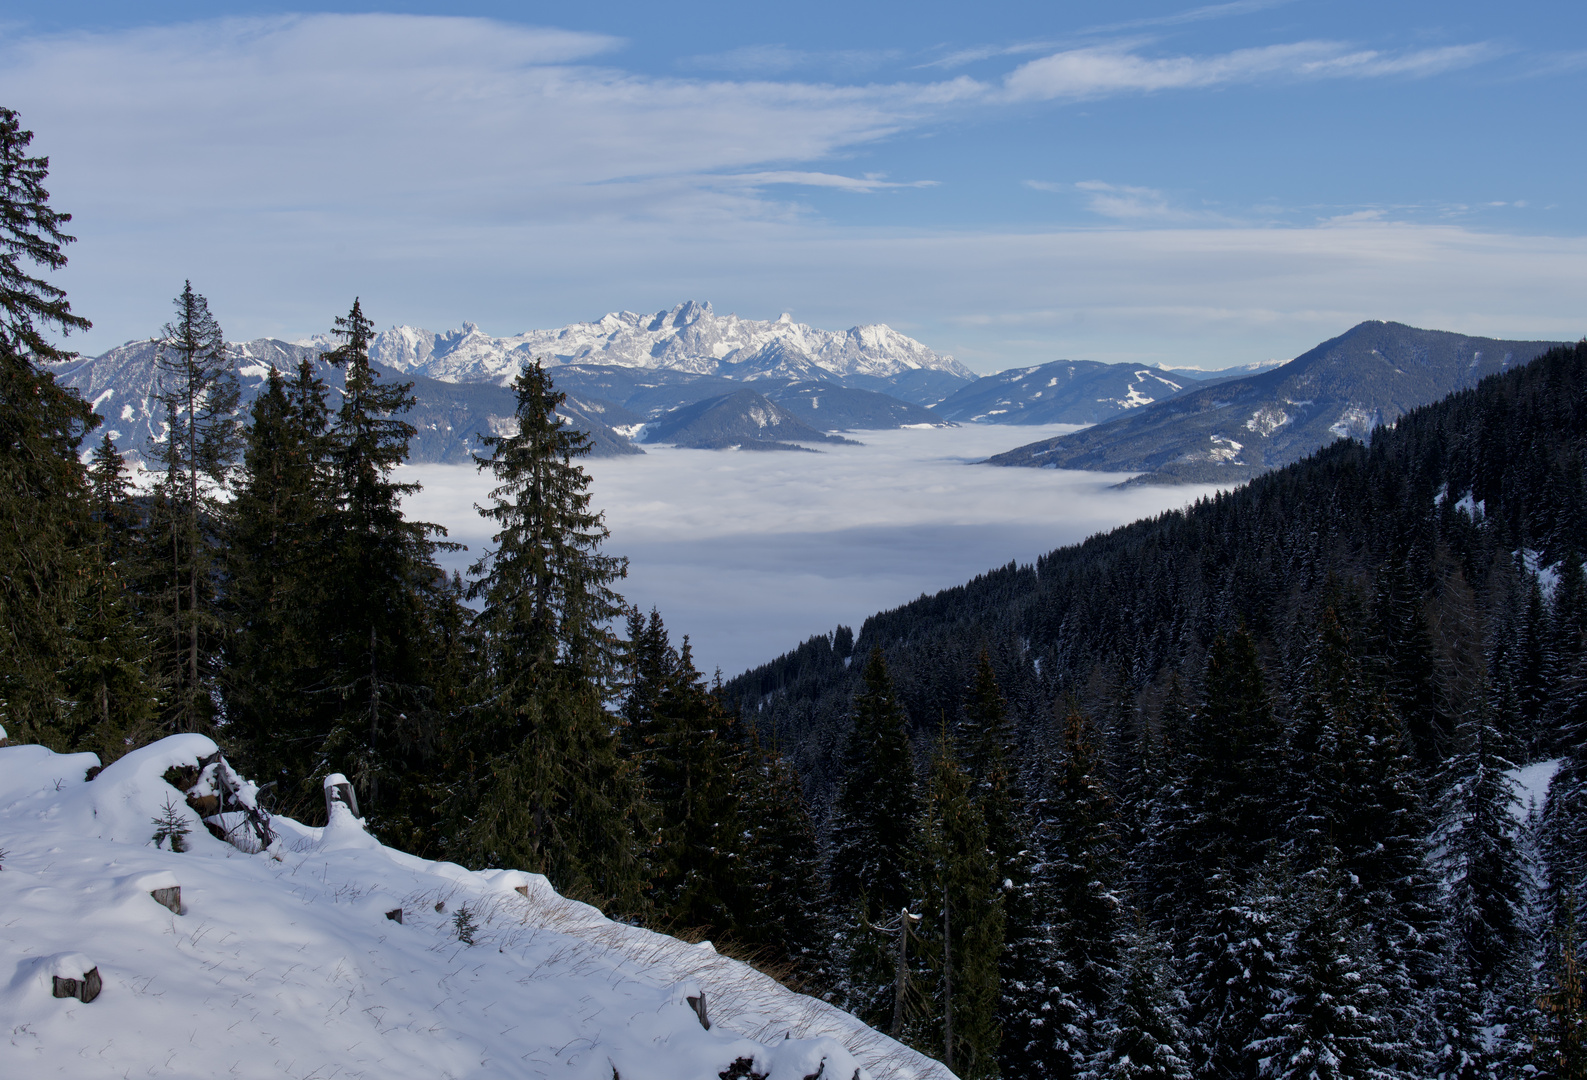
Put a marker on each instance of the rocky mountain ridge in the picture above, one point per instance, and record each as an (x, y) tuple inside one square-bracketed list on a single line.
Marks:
[(1234, 429), (690, 337)]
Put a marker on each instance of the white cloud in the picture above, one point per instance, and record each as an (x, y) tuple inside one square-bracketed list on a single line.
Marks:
[(450, 169), (763, 60), (1126, 202), (1103, 71), (1200, 14), (866, 183)]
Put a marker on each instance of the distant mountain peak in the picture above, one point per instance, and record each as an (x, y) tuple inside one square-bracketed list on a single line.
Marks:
[(688, 337)]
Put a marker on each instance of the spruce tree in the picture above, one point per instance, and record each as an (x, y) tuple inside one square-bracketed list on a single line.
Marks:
[(1560, 1051), (1222, 810), (382, 731), (690, 763), (280, 576), (873, 843), (43, 485), (1143, 1037), (962, 922), (1356, 796), (1232, 962), (115, 700), (197, 397), (1080, 879), (878, 803), (1329, 1022), (784, 910), (1476, 838), (544, 784)]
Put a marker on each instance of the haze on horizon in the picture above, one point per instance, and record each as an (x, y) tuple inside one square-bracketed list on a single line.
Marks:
[(1151, 182)]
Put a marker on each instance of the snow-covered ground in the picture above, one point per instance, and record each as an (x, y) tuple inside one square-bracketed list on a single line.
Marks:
[(1531, 786), (284, 963)]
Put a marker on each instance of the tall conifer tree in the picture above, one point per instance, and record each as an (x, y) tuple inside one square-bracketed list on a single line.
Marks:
[(873, 840), (281, 572), (109, 677), (197, 396), (962, 921), (43, 485), (382, 589), (545, 786)]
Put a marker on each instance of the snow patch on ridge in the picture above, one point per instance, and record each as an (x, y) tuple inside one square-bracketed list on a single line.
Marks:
[(288, 962)]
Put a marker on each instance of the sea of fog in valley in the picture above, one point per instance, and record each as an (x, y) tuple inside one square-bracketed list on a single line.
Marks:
[(749, 553)]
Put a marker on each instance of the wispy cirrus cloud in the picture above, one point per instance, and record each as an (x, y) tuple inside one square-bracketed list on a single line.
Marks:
[(1107, 70), (1194, 15), (961, 57), (768, 60), (864, 184)]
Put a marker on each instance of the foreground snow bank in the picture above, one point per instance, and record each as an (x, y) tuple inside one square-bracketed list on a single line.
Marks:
[(292, 962)]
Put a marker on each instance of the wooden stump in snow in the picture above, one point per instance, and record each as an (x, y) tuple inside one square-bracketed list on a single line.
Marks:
[(170, 896), (73, 975), (339, 790), (698, 1005)]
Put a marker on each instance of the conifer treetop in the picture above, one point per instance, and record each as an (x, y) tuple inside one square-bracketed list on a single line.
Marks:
[(30, 231)]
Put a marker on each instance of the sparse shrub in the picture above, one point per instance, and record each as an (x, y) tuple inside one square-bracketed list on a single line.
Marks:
[(465, 926), (172, 826)]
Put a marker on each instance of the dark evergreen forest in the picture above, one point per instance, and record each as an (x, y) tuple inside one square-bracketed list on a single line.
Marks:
[(1220, 794), (1250, 795)]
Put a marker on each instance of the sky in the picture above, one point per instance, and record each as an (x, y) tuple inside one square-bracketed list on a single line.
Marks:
[(1011, 183), (752, 553)]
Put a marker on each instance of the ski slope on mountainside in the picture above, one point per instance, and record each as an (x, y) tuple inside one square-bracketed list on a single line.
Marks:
[(287, 963)]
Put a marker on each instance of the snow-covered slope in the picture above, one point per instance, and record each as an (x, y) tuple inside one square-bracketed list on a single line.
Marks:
[(691, 337), (285, 962)]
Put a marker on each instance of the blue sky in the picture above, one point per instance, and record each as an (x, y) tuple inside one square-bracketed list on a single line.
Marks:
[(1012, 183)]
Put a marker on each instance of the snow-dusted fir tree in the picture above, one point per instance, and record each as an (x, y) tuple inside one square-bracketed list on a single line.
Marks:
[(280, 568), (197, 397), (544, 786), (379, 600), (1079, 880), (1354, 796), (961, 925), (1480, 863), (42, 482), (1143, 1036), (1232, 966), (1328, 1023)]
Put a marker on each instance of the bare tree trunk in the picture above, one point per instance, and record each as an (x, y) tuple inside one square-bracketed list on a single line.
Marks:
[(947, 985), (374, 716), (899, 978)]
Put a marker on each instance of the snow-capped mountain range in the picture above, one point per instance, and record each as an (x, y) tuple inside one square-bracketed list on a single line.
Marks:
[(461, 375), (690, 338)]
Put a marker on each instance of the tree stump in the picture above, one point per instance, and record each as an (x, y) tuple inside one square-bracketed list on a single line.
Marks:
[(338, 789), (170, 897), (698, 1005), (73, 975)]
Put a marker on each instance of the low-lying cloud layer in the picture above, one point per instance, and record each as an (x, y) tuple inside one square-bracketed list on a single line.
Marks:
[(751, 553)]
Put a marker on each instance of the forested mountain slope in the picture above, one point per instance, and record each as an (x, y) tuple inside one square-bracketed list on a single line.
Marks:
[(1236, 429), (1432, 514), (1247, 772)]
